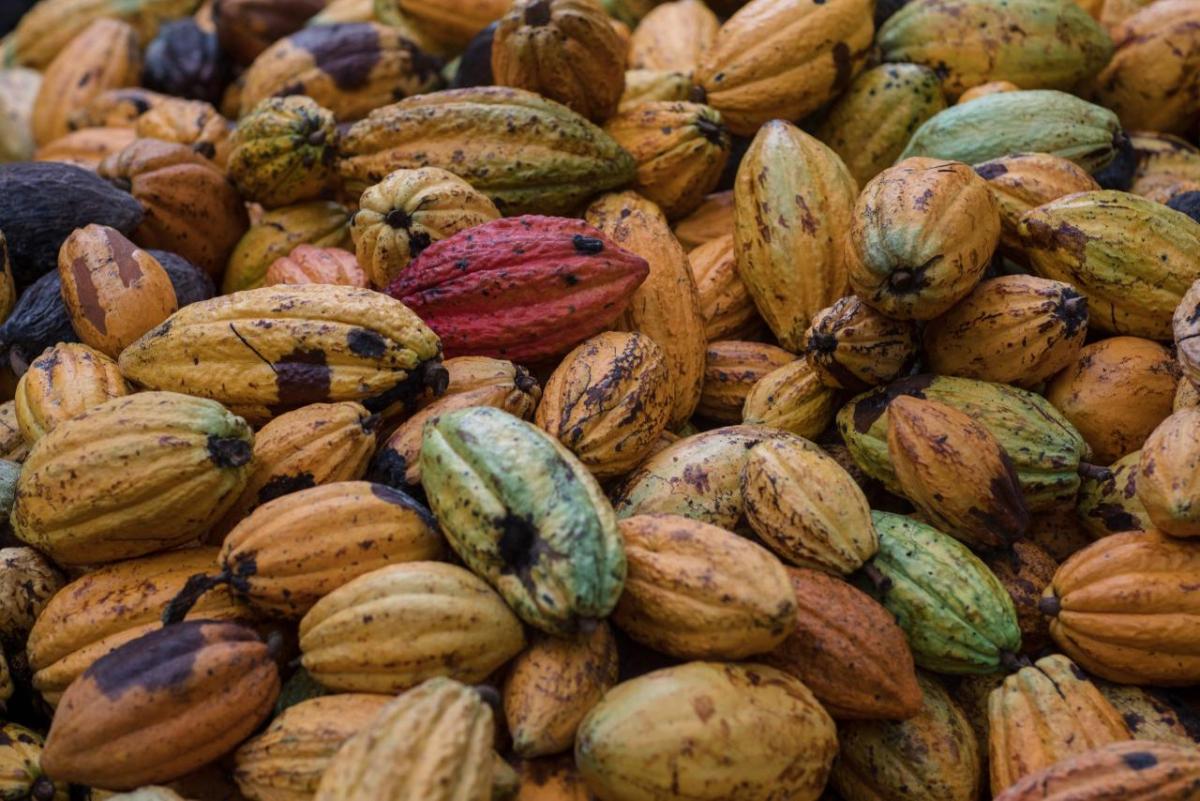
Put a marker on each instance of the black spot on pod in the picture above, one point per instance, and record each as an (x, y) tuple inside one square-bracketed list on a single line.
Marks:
[(538, 13), (1140, 760), (397, 497), (587, 244), (367, 344), (302, 377), (872, 407), (346, 53), (155, 661), (388, 469), (990, 170), (229, 451), (279, 486)]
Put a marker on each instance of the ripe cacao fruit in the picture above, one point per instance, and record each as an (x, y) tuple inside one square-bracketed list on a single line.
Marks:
[(731, 369), (188, 122), (28, 581), (725, 305), (1024, 181), (647, 86), (451, 22), (1024, 570), (21, 774), (86, 148), (1109, 504), (791, 398), (307, 264), (851, 346), (64, 382), (277, 233), (713, 219), (282, 152), (1135, 770), (1167, 470)]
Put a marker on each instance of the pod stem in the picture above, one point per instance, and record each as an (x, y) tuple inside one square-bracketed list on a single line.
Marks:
[(882, 583), (1094, 472), (196, 586), (1050, 606), (435, 376), (1012, 662), (42, 789)]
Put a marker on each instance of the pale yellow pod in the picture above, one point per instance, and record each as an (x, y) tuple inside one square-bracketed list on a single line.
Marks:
[(726, 306), (791, 398), (731, 370), (64, 382)]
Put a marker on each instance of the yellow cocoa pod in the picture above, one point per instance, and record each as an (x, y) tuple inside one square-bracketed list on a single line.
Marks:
[(86, 148), (713, 219), (852, 346), (1167, 474), (731, 370), (725, 304), (1015, 329), (553, 684), (673, 36), (189, 122), (1109, 504), (608, 401), (788, 175), (1163, 161), (791, 398), (1026, 181), (666, 307), (806, 508), (985, 89), (647, 86), (64, 382), (696, 591)]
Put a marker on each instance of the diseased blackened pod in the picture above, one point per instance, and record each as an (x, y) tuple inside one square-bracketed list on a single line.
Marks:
[(523, 512), (1109, 504), (475, 63), (1120, 173), (1136, 770), (8, 287), (266, 351), (282, 151), (161, 706), (185, 60), (64, 382), (21, 774), (1188, 203), (852, 346), (190, 282)]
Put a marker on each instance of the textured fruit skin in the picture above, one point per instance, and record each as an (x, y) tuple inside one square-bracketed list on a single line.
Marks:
[(1111, 505), (290, 552), (314, 445), (869, 125), (1184, 326), (698, 477), (647, 86), (1024, 570), (1115, 393), (775, 59), (1151, 714), (805, 507), (1163, 160), (86, 148), (1058, 532), (533, 287), (696, 591), (680, 149), (956, 473), (575, 159), (1137, 770), (1031, 121), (792, 399), (956, 614), (786, 173), (608, 401), (651, 737), (116, 108), (406, 212), (565, 50), (21, 774), (1154, 76), (113, 290), (932, 755), (551, 779), (1036, 44), (731, 369), (1043, 714), (186, 60), (349, 69), (1025, 181), (282, 152), (266, 351), (666, 307), (923, 232), (319, 223), (433, 742), (191, 208), (673, 36), (1130, 256), (245, 28), (852, 346), (108, 607), (188, 122), (848, 650), (1045, 448), (455, 22), (375, 633), (1119, 572), (28, 581), (553, 684), (1167, 470), (286, 761), (177, 466), (712, 219), (1023, 331), (525, 514), (308, 264), (65, 381), (161, 706), (105, 55), (725, 305)]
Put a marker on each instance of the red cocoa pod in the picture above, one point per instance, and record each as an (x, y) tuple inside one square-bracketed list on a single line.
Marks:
[(521, 288)]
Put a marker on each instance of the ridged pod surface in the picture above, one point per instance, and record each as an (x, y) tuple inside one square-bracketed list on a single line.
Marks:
[(869, 125), (1013, 329), (108, 607), (65, 381), (28, 581), (852, 346), (161, 706), (397, 626), (46, 29), (1132, 771), (1024, 181), (1030, 121), (1043, 714), (21, 774), (791, 398), (1123, 609), (1044, 447), (956, 614), (525, 514), (188, 122), (805, 507), (267, 351), (87, 495), (319, 223), (1163, 161), (308, 264), (696, 591), (1036, 44), (1153, 714), (707, 731), (731, 369), (923, 232), (526, 153), (282, 152), (726, 306), (449, 22), (666, 307), (848, 650), (608, 401), (647, 86), (553, 684), (1133, 258), (776, 59), (86, 148), (788, 174), (711, 220), (1110, 505), (434, 742), (932, 756), (673, 36), (1167, 474)]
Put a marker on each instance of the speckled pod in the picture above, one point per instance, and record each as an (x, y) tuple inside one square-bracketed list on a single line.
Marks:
[(523, 512), (1134, 771), (1163, 161), (188, 122), (282, 152), (21, 774), (13, 446), (1167, 474), (1027, 180), (852, 346), (1024, 570), (64, 382), (731, 369), (1110, 505), (1185, 326), (1153, 714), (791, 398), (726, 306), (28, 581)]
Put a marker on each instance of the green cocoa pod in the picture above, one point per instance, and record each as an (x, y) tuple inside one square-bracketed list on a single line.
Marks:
[(283, 151), (956, 614), (523, 513), (1035, 121), (1044, 447)]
